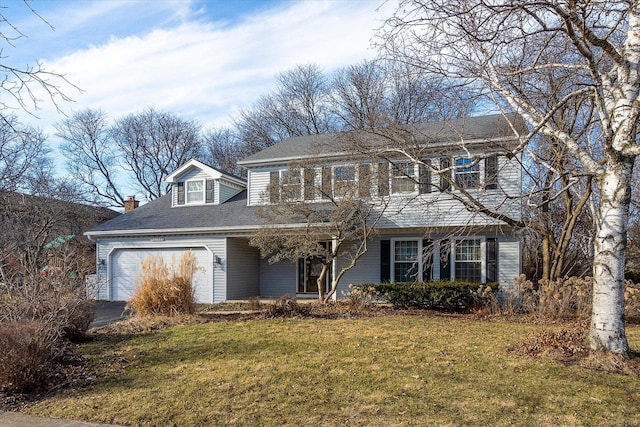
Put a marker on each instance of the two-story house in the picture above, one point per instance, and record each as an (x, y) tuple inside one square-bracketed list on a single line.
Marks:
[(426, 231)]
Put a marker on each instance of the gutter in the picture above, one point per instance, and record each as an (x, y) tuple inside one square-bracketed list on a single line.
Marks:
[(195, 230), (350, 155)]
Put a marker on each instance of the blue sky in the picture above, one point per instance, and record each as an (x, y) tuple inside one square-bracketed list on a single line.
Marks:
[(203, 60)]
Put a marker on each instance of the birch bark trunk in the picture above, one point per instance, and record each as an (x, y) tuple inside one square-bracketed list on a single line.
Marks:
[(607, 331)]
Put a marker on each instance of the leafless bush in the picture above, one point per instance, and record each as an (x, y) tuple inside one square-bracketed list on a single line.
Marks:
[(357, 300), (27, 353), (632, 302), (165, 289), (287, 307), (568, 298), (254, 304)]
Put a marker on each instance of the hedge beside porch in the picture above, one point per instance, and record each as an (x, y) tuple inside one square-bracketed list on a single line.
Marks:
[(445, 296)]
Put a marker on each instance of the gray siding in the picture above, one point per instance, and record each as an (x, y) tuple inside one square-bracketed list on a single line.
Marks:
[(258, 185), (277, 279), (243, 275), (433, 209), (366, 270), (225, 191), (509, 260), (218, 247)]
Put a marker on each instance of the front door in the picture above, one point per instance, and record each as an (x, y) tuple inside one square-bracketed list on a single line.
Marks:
[(309, 270)]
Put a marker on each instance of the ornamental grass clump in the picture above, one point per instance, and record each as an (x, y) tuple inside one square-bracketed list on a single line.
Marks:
[(165, 289)]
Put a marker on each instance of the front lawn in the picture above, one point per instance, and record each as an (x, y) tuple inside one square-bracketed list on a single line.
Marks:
[(389, 370)]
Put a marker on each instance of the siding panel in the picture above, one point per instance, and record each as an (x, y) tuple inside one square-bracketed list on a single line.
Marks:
[(277, 279), (244, 269)]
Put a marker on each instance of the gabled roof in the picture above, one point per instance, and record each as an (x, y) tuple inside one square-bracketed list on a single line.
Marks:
[(209, 170), (471, 129)]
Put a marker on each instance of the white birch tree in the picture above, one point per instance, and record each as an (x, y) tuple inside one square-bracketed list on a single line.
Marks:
[(502, 47)]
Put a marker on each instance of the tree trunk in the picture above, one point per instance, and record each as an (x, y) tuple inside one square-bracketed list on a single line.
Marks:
[(607, 331), (546, 259)]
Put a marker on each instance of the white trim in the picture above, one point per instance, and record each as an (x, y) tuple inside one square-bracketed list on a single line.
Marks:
[(393, 255), (214, 173), (203, 192)]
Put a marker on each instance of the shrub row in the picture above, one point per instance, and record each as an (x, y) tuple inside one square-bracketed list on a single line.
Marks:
[(37, 321), (446, 296)]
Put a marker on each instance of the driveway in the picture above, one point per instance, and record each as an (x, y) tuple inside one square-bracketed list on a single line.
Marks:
[(109, 312)]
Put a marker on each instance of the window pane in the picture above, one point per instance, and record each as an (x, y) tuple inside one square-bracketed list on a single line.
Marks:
[(291, 184), (195, 191), (468, 260), (403, 180), (345, 173), (406, 250), (467, 173)]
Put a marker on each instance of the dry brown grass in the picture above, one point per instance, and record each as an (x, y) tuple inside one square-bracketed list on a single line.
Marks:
[(391, 370), (165, 289)]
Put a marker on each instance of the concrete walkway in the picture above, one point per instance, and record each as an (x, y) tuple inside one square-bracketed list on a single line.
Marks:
[(17, 419), (108, 312)]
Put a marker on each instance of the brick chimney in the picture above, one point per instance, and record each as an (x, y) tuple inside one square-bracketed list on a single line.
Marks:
[(130, 204)]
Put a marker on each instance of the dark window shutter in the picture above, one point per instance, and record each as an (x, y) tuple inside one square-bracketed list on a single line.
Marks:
[(364, 181), (383, 179), (445, 163), (445, 260), (424, 183), (309, 183), (385, 261), (491, 173), (208, 191), (301, 274), (180, 190), (427, 260), (274, 187), (326, 183), (492, 260)]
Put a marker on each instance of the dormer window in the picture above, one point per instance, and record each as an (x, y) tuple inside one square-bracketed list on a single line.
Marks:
[(195, 191)]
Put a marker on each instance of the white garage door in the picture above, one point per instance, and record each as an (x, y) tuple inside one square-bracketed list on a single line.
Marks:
[(126, 265)]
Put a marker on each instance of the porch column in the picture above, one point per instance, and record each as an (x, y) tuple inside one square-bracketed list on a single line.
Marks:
[(334, 267)]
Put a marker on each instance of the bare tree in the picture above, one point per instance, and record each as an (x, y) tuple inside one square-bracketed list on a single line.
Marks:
[(299, 106), (153, 144), (359, 96), (503, 47), (336, 219), (91, 158), (21, 82), (222, 149), (21, 149)]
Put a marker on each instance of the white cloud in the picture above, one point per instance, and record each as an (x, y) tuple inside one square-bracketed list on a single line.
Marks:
[(207, 70)]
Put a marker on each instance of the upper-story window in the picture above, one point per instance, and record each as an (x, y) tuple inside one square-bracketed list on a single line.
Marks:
[(344, 179), (403, 179), (291, 184), (285, 184), (195, 191), (467, 172)]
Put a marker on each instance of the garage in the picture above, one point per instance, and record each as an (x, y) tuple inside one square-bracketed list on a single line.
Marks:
[(126, 265)]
